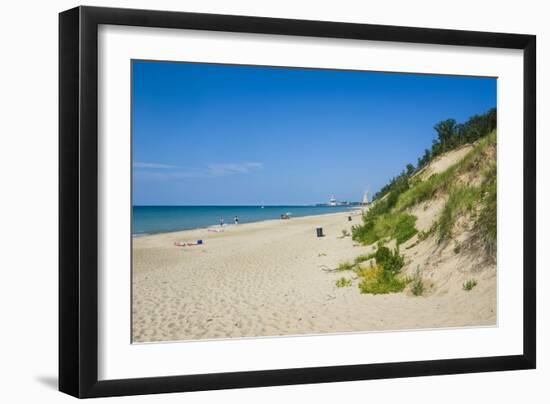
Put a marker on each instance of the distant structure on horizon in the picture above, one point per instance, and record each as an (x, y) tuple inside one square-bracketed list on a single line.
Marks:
[(334, 202), (365, 200)]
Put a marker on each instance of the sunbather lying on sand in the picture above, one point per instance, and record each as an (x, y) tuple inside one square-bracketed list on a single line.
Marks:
[(187, 244)]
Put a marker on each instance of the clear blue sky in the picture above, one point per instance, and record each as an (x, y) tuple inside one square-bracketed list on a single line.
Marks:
[(236, 135)]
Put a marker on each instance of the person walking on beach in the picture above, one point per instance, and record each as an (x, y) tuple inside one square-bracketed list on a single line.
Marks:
[(221, 221), (236, 219)]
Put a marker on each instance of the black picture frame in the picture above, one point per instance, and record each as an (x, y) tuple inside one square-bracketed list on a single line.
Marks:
[(78, 201)]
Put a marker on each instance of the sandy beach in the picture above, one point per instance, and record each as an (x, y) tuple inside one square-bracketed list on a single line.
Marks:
[(269, 279)]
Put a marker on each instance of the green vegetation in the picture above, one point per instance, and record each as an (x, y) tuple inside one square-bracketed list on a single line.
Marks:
[(487, 220), (348, 266), (419, 190), (450, 135), (382, 277), (389, 218), (477, 201), (399, 226), (345, 266), (391, 261), (375, 282), (417, 287), (424, 190), (343, 282), (462, 199), (469, 285), (362, 258)]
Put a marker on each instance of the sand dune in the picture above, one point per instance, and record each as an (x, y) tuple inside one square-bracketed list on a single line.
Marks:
[(267, 279), (444, 161)]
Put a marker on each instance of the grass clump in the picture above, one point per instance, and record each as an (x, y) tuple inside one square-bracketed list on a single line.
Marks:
[(469, 285), (376, 281), (343, 282), (345, 233), (382, 277), (417, 287)]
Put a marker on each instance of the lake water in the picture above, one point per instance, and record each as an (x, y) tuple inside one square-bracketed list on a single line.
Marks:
[(161, 219)]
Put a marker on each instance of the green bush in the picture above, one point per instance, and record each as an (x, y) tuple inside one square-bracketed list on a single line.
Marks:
[(391, 261), (382, 255), (382, 277)]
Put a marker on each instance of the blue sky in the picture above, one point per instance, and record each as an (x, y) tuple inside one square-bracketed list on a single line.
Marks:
[(206, 134)]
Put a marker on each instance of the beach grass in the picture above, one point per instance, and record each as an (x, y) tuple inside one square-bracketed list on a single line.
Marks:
[(397, 225), (417, 287), (362, 258), (345, 266), (469, 285), (462, 199), (343, 282), (487, 219)]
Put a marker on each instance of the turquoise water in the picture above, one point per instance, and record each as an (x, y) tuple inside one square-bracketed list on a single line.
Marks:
[(160, 219)]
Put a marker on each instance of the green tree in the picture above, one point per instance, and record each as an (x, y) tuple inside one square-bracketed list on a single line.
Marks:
[(446, 131)]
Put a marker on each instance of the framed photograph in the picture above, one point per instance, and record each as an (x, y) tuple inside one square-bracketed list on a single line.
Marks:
[(251, 201)]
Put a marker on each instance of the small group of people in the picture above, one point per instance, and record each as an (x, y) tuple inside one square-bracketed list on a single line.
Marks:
[(235, 220)]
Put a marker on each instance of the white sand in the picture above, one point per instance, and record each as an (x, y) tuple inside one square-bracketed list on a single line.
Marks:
[(266, 279)]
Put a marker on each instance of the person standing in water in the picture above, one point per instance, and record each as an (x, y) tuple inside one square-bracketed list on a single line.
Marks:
[(236, 219), (221, 221)]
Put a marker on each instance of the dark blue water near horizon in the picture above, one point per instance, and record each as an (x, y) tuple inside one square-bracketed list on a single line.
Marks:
[(163, 219)]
